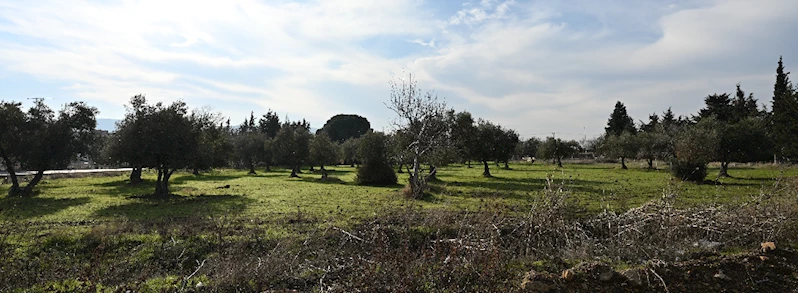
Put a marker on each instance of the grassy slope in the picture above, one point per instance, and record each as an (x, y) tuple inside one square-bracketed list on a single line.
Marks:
[(274, 194)]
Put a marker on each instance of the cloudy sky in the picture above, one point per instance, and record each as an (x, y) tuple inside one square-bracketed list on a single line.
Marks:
[(535, 66)]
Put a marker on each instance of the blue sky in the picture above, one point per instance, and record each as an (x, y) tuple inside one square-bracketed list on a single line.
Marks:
[(534, 66)]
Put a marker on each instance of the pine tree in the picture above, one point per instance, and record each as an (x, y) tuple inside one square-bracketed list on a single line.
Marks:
[(620, 121)]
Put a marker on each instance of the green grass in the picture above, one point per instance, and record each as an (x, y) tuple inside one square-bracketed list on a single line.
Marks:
[(106, 226), (272, 194)]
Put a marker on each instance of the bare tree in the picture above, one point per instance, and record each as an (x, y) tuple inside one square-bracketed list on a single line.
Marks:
[(418, 116)]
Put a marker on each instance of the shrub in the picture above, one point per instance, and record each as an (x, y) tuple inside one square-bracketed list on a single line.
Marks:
[(375, 169), (694, 147), (689, 171), (376, 174)]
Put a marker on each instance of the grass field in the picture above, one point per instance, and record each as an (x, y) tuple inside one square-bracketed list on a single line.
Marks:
[(595, 187), (71, 219)]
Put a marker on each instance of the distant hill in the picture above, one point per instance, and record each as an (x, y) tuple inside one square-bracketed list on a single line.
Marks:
[(106, 124)]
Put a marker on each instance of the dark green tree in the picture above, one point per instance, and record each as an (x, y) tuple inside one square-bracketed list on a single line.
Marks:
[(784, 116), (269, 124), (732, 133), (345, 126), (249, 148), (528, 148), (172, 142), (506, 145), (40, 140), (349, 149), (375, 170), (126, 146), (462, 135), (695, 146), (653, 145), (620, 121), (323, 151), (621, 146), (291, 146), (489, 136), (213, 141), (557, 149)]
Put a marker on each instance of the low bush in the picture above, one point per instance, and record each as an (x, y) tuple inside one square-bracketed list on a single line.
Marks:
[(378, 173), (689, 171)]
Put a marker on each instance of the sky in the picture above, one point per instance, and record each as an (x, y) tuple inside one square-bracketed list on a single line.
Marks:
[(538, 67)]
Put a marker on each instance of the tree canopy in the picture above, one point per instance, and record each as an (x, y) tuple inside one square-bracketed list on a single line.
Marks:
[(40, 140), (345, 126)]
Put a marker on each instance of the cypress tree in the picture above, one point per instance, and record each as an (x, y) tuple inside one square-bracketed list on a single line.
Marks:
[(784, 118)]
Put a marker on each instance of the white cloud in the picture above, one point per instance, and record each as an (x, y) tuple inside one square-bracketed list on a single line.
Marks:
[(537, 66)]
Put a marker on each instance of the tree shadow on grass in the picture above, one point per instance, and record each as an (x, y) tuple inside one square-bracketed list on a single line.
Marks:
[(328, 180), (142, 208), (124, 188), (528, 184), (201, 178), (32, 207)]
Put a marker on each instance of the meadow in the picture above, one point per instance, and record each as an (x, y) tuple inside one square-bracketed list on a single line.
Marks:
[(99, 233)]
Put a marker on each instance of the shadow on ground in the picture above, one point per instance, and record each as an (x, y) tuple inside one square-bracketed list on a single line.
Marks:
[(178, 206), (32, 207)]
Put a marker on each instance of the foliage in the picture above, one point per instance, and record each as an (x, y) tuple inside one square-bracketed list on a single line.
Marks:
[(488, 135), (740, 128), (249, 148), (269, 124), (621, 146), (620, 121), (213, 147), (345, 126), (291, 146), (172, 142), (653, 145), (322, 150), (462, 130), (39, 140), (696, 146), (124, 146), (349, 151), (375, 169), (506, 145), (784, 119), (528, 147), (557, 149)]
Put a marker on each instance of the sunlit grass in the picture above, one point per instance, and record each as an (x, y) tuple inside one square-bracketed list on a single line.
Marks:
[(272, 194)]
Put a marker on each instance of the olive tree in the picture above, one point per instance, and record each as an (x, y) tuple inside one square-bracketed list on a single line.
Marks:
[(291, 146), (323, 151), (40, 140), (418, 114), (557, 149), (694, 147), (375, 169)]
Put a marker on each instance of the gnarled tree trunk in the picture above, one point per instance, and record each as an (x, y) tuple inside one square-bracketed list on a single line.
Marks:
[(135, 175), (28, 190), (14, 190), (486, 172), (724, 169), (162, 183), (623, 163)]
